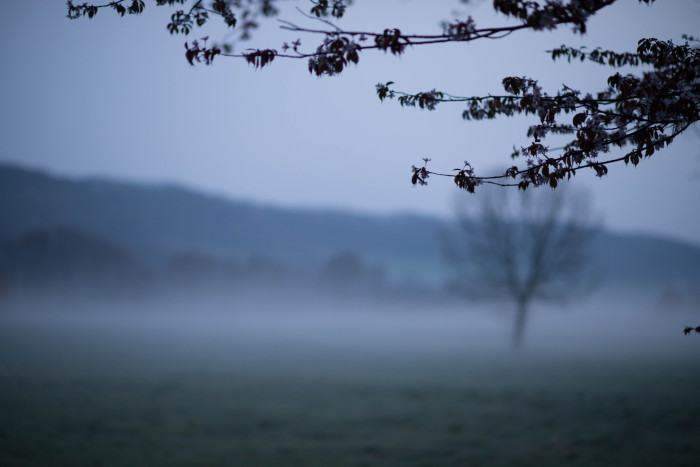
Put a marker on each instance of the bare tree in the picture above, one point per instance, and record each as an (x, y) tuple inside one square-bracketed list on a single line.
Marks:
[(522, 246)]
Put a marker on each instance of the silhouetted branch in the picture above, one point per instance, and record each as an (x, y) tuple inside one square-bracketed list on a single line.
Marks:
[(646, 111)]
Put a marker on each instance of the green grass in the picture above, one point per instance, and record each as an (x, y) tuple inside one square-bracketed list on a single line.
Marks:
[(114, 398)]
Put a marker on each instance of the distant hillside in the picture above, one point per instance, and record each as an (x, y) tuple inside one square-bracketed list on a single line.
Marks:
[(643, 259), (153, 223)]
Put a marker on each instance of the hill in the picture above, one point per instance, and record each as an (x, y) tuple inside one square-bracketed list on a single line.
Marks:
[(154, 223)]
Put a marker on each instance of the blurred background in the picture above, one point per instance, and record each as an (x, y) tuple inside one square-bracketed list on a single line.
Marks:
[(228, 266)]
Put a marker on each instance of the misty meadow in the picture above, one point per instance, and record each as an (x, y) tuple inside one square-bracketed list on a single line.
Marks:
[(192, 338), (350, 233)]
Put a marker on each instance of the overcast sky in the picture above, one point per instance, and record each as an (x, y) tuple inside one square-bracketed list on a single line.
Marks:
[(115, 98)]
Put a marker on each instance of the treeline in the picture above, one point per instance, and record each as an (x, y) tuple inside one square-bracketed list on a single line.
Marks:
[(65, 262)]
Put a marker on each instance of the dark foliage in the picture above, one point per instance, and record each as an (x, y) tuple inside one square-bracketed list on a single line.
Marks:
[(642, 112)]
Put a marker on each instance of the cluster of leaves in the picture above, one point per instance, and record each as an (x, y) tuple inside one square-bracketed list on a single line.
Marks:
[(460, 30), (553, 13), (323, 8), (182, 23), (392, 40), (197, 15), (421, 174), (339, 49), (465, 178), (201, 53), (689, 329), (598, 55), (134, 7), (424, 100), (260, 58), (222, 8), (333, 55)]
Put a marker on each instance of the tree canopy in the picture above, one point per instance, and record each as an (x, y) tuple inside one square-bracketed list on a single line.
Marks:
[(632, 117)]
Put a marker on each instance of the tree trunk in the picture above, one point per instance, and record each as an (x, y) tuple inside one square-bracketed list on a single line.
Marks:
[(520, 321)]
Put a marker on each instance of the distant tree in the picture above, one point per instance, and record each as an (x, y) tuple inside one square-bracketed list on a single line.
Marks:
[(528, 247), (64, 260), (643, 112)]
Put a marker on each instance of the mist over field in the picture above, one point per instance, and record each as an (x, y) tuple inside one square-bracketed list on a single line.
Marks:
[(172, 345), (215, 382)]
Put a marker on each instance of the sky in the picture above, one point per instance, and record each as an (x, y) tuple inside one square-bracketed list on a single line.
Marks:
[(115, 98)]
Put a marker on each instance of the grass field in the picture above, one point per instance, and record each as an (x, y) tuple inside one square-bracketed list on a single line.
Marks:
[(107, 391)]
